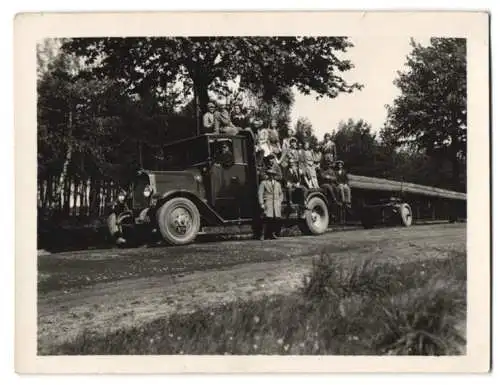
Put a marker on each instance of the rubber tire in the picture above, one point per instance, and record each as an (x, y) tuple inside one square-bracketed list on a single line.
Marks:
[(406, 220), (307, 226), (163, 214)]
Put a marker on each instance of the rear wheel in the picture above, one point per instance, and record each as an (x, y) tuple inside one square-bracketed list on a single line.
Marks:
[(406, 215), (317, 217), (179, 221)]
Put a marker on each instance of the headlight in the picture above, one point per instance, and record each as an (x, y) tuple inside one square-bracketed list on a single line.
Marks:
[(198, 178), (147, 191), (121, 197)]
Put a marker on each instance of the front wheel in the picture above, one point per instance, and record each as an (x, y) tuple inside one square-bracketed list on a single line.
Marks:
[(179, 221), (406, 215), (317, 217)]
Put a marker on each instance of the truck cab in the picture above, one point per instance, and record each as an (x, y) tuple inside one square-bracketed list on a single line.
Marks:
[(208, 180)]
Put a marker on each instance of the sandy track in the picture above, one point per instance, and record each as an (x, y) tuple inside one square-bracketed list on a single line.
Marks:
[(140, 285)]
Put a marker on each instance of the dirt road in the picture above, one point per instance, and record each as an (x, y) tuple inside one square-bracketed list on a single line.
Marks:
[(101, 290)]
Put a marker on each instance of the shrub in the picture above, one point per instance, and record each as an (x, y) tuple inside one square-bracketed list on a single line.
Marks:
[(423, 321)]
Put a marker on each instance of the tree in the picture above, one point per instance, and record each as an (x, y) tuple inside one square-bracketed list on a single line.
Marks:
[(304, 131), (431, 112), (264, 65), (83, 125), (357, 147)]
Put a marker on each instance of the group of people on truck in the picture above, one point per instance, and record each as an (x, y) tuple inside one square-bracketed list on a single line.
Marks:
[(290, 163)]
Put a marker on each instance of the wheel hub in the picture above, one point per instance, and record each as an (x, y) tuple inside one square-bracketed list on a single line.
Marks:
[(181, 221)]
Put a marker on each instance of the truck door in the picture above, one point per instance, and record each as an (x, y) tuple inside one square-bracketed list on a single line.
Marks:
[(229, 175)]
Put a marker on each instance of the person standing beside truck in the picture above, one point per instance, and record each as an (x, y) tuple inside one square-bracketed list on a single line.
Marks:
[(270, 199)]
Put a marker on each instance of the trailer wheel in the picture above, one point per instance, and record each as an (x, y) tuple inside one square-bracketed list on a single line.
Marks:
[(406, 215), (179, 221), (317, 217)]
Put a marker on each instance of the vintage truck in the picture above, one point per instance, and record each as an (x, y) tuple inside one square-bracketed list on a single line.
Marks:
[(212, 180)]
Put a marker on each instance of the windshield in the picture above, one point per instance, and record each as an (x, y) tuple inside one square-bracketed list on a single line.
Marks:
[(180, 155), (194, 152)]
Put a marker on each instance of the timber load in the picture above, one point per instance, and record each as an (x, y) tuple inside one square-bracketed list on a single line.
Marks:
[(379, 184)]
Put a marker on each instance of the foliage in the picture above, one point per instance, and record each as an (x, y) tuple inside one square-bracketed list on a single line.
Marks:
[(198, 65), (362, 309), (304, 131), (357, 146), (431, 112)]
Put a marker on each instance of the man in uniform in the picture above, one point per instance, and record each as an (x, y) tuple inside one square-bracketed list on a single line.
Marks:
[(270, 199)]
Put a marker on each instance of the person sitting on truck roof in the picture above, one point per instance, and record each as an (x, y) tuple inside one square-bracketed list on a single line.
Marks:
[(342, 181), (238, 118), (241, 123), (223, 124), (209, 119)]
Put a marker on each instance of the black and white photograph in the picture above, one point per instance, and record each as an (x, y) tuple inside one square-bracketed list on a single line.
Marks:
[(254, 194)]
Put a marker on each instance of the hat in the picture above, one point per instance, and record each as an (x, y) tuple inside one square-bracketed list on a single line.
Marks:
[(210, 104), (257, 121), (270, 171), (339, 163), (293, 139)]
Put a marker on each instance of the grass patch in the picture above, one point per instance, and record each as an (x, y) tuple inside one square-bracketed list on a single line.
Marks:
[(360, 309)]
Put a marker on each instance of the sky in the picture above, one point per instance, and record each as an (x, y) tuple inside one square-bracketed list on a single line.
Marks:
[(376, 61)]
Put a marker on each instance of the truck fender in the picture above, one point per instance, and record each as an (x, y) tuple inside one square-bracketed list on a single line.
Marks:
[(320, 195), (206, 212)]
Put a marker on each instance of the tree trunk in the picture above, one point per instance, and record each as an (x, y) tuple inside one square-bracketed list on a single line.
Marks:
[(67, 160), (201, 99), (94, 197)]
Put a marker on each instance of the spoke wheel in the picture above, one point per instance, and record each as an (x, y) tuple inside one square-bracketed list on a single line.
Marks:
[(179, 221), (317, 217)]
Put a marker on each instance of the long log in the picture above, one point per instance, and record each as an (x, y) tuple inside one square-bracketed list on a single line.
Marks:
[(378, 184)]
